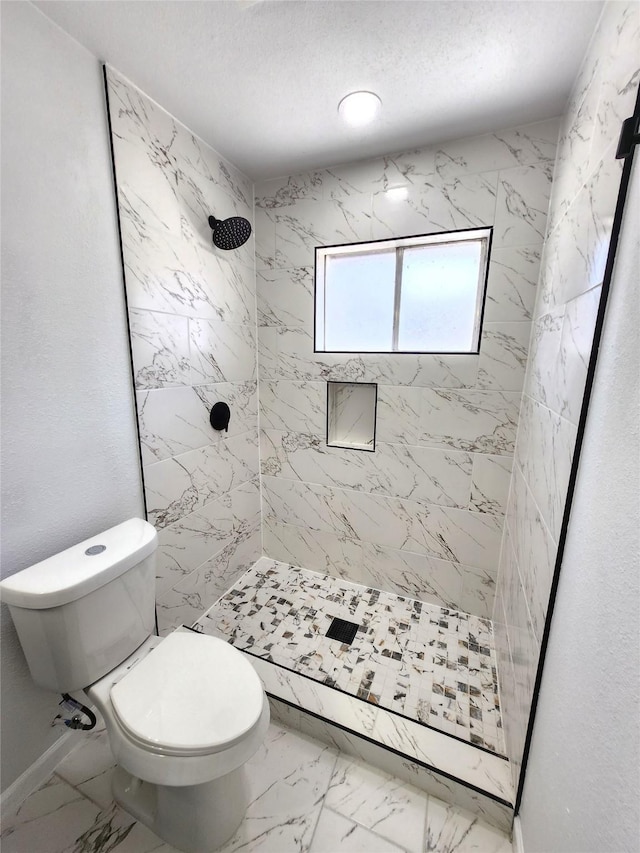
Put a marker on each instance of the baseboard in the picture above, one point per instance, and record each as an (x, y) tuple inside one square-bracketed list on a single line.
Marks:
[(518, 843), (36, 775)]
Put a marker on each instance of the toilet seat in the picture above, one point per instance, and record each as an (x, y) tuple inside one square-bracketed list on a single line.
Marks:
[(192, 695)]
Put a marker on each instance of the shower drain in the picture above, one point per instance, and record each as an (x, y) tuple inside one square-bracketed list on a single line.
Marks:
[(342, 630)]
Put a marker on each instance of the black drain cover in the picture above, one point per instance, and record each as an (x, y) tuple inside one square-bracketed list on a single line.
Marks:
[(342, 630)]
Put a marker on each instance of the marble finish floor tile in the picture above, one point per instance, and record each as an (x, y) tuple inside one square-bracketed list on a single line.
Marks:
[(57, 818), (429, 664), (379, 802), (305, 797), (449, 830), (335, 832), (89, 768)]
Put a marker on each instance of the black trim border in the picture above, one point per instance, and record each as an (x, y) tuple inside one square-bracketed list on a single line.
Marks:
[(394, 751), (591, 370), (124, 281), (358, 699), (126, 300)]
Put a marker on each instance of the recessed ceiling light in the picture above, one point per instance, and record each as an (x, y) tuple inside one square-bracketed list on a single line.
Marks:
[(359, 108)]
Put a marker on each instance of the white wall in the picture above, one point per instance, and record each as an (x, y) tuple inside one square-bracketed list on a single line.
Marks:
[(70, 460), (581, 791)]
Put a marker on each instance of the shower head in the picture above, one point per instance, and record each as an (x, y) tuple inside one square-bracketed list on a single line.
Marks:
[(230, 233)]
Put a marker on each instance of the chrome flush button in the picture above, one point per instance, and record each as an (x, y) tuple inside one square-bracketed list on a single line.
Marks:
[(95, 549)]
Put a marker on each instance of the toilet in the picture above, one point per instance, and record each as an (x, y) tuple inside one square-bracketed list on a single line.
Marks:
[(183, 714)]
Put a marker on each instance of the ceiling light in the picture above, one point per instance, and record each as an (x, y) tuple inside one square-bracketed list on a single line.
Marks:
[(359, 108)]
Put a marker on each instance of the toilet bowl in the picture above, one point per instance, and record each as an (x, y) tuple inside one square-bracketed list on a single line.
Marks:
[(183, 714)]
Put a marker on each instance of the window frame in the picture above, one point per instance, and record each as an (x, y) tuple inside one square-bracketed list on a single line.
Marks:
[(411, 241)]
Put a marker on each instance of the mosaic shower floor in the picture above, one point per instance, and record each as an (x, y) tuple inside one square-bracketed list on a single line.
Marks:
[(424, 662)]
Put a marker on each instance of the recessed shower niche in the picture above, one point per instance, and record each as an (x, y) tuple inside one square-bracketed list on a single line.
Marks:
[(351, 415)]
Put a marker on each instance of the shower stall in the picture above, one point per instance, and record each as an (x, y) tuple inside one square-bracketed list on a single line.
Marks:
[(396, 601)]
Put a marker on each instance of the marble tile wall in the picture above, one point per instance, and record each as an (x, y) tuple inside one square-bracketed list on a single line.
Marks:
[(422, 515), (192, 315), (583, 199)]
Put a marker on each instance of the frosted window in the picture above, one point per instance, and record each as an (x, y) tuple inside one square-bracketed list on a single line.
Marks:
[(359, 296), (413, 294), (438, 297)]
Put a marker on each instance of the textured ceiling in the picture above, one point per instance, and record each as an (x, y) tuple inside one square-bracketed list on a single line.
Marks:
[(260, 81)]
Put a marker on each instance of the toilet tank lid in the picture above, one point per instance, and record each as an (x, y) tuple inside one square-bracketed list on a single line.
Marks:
[(81, 569)]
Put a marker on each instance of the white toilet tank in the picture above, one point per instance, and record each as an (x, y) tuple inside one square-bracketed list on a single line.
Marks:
[(80, 613)]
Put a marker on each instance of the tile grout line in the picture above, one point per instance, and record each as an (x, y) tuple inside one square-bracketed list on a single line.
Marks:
[(324, 797)]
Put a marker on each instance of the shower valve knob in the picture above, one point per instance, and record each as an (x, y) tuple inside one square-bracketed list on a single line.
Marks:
[(220, 416)]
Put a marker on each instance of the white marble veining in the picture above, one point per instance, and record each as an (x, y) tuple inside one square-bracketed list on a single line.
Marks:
[(287, 780), (503, 356), (481, 421), (478, 590), (307, 224), (449, 204), (178, 485), (291, 778), (469, 420), (436, 476), (602, 97), (522, 204), (490, 483), (432, 666), (426, 749), (561, 345), (402, 572), (160, 349), (544, 454), (378, 802), (172, 170), (491, 811), (166, 273), (287, 353), (450, 832), (190, 597), (335, 832), (417, 745), (511, 285), (285, 297), (534, 552), (518, 146), (175, 420), (583, 201), (443, 532), (192, 317), (434, 412), (58, 818), (221, 352), (293, 406), (576, 252), (188, 542), (370, 176)]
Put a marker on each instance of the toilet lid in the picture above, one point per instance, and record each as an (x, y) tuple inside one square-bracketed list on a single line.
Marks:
[(193, 694)]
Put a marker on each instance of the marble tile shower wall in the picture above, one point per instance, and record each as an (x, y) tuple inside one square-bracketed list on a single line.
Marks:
[(193, 336), (586, 182), (423, 514)]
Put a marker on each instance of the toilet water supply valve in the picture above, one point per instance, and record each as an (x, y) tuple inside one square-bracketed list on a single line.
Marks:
[(76, 710)]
